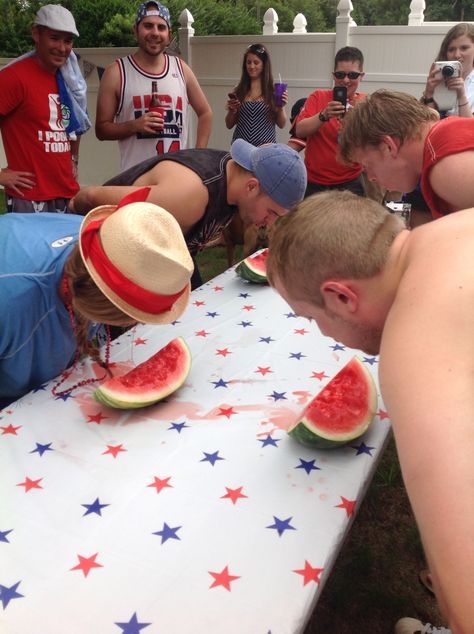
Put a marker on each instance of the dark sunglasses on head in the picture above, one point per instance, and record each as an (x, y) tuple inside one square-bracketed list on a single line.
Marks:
[(340, 74), (254, 48)]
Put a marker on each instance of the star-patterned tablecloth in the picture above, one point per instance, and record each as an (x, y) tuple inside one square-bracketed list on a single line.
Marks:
[(198, 514)]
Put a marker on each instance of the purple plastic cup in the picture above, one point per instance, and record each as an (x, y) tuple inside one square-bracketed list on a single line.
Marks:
[(279, 89)]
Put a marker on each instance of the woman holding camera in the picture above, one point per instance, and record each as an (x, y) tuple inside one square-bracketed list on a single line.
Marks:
[(457, 45), (252, 107)]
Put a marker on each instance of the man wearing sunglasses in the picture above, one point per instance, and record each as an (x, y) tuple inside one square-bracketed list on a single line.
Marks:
[(320, 124)]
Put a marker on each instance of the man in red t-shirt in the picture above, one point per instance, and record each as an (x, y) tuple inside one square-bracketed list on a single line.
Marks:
[(320, 124), (42, 159), (400, 141)]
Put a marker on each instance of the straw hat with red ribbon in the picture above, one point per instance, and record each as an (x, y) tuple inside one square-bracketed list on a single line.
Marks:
[(136, 254)]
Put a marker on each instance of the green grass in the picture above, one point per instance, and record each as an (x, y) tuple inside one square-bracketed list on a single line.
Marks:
[(213, 261)]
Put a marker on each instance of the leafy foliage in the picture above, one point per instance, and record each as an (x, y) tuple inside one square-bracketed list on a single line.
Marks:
[(109, 22)]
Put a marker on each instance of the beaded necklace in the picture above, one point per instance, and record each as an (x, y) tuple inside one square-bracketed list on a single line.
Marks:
[(67, 373)]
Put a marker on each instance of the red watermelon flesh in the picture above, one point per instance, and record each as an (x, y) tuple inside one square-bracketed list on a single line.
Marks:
[(342, 411), (254, 268), (151, 381)]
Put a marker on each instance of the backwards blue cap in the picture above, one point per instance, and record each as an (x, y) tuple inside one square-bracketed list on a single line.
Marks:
[(146, 8), (279, 169)]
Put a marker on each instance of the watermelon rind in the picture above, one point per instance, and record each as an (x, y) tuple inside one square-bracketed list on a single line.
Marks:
[(250, 270), (116, 393), (358, 417)]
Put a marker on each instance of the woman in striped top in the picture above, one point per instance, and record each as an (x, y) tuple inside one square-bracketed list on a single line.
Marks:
[(251, 107)]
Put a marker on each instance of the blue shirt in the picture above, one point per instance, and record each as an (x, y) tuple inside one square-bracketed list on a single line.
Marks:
[(37, 341)]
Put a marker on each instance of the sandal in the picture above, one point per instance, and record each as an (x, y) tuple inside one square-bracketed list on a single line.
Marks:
[(426, 581)]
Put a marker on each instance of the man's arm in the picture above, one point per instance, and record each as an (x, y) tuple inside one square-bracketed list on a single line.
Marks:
[(451, 180), (106, 128), (200, 105), (308, 121), (187, 203), (427, 381)]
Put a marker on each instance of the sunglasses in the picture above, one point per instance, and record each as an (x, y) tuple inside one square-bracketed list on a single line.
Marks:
[(254, 48), (340, 74)]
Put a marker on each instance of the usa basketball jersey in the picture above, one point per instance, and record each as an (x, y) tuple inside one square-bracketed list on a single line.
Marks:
[(135, 95)]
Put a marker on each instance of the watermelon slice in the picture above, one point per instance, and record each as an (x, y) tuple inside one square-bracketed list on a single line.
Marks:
[(341, 412), (149, 382), (253, 268)]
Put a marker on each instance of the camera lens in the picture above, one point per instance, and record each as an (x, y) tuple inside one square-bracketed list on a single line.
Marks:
[(447, 71)]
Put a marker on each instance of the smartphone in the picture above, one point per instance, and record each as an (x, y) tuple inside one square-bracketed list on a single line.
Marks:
[(232, 95), (339, 93)]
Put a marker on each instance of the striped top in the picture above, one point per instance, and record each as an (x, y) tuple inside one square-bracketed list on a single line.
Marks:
[(254, 124)]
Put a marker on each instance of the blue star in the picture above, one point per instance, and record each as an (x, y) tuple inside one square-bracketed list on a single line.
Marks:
[(278, 396), (42, 448), (178, 426), (282, 525), (290, 315), (245, 323), (337, 347), (307, 465), (133, 626), (64, 397), (220, 383), (296, 355), (362, 448), (7, 594), (3, 535), (40, 387), (212, 314), (168, 532), (95, 507), (268, 440), (370, 360), (266, 339), (211, 457), (244, 295)]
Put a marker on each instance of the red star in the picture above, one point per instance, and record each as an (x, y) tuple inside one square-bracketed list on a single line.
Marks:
[(382, 414), (86, 564), (263, 371), (140, 342), (30, 484), (226, 411), (10, 429), (222, 578), (114, 450), (309, 573), (218, 288), (234, 494), (301, 331), (160, 484), (96, 418), (319, 375), (224, 352), (198, 303), (249, 307), (346, 504), (202, 333)]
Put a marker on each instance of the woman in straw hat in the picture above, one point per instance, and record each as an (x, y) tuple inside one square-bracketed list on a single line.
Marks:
[(62, 276)]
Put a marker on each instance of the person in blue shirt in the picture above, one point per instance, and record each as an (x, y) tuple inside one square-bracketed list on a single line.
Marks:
[(62, 276)]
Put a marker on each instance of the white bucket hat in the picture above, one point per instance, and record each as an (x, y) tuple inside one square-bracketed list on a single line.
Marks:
[(137, 256)]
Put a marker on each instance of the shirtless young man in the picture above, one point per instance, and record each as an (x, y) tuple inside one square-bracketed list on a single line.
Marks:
[(350, 265)]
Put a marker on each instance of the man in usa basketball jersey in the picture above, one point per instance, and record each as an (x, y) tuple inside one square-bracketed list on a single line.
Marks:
[(123, 104)]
